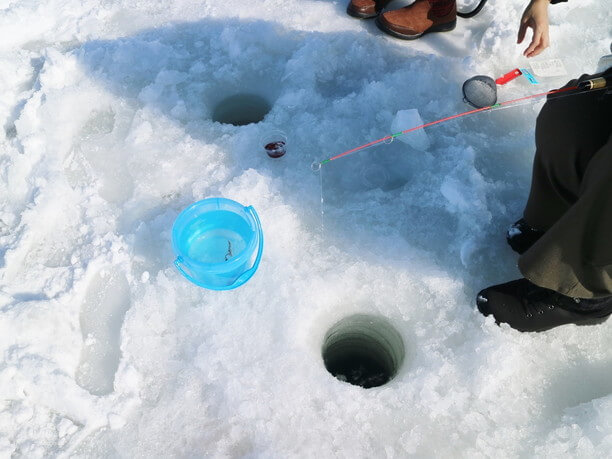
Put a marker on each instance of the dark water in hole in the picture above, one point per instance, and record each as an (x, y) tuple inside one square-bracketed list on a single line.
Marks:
[(358, 369), (241, 109)]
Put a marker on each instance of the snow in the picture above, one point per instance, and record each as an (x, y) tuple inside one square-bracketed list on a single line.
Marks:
[(514, 231), (107, 351)]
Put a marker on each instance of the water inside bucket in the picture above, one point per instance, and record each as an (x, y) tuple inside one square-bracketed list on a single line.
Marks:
[(218, 238)]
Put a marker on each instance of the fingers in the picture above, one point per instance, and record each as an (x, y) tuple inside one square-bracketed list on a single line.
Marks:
[(521, 32), (538, 44), (541, 47), (535, 17), (535, 42)]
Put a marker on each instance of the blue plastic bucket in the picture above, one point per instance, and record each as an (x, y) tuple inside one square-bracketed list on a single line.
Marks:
[(218, 243)]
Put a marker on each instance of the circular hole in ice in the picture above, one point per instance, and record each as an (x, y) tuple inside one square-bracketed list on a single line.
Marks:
[(363, 350), (375, 176), (241, 109)]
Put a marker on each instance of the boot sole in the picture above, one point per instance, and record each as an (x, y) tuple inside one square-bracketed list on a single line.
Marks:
[(437, 28), (358, 15), (595, 321), (589, 322), (583, 323)]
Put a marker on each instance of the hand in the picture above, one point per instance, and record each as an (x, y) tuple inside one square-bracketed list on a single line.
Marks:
[(536, 17)]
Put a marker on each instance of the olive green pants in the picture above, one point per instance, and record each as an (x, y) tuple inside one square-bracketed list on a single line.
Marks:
[(571, 196)]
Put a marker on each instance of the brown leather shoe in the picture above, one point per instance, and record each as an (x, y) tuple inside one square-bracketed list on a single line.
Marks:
[(366, 9), (422, 17)]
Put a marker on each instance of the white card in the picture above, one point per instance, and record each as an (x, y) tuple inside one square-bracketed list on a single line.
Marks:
[(549, 68)]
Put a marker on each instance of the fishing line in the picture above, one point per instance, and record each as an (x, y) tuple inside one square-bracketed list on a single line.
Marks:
[(585, 86)]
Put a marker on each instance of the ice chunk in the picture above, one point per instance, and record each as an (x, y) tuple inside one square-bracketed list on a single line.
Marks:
[(407, 119), (605, 62)]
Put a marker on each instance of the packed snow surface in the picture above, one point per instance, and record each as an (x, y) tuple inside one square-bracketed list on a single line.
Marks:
[(107, 134)]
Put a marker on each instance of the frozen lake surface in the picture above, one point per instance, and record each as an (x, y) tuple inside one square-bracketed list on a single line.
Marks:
[(114, 118)]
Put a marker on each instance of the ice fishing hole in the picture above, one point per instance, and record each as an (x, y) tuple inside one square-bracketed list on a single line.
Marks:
[(241, 109), (363, 350)]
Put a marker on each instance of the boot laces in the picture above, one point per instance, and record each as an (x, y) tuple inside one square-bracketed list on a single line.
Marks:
[(536, 301)]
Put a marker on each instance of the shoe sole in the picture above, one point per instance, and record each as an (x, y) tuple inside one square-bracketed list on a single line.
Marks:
[(590, 322), (595, 321), (358, 15), (587, 323), (437, 28)]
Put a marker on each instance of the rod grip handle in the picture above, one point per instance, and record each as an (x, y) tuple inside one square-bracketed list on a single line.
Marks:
[(595, 83)]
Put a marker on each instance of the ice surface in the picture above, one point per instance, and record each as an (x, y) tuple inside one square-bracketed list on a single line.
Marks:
[(408, 119), (106, 135), (101, 319)]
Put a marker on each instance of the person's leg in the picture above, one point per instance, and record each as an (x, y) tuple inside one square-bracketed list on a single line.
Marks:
[(569, 131), (574, 257), (568, 270)]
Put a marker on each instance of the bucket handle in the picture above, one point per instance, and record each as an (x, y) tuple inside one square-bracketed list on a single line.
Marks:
[(179, 265), (245, 276)]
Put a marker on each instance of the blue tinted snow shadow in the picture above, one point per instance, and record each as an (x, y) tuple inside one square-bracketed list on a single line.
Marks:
[(330, 92)]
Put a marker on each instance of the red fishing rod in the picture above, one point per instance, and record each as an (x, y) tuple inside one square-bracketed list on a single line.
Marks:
[(596, 83)]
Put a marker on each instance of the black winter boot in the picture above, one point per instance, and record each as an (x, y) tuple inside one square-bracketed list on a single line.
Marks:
[(526, 307), (521, 236)]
